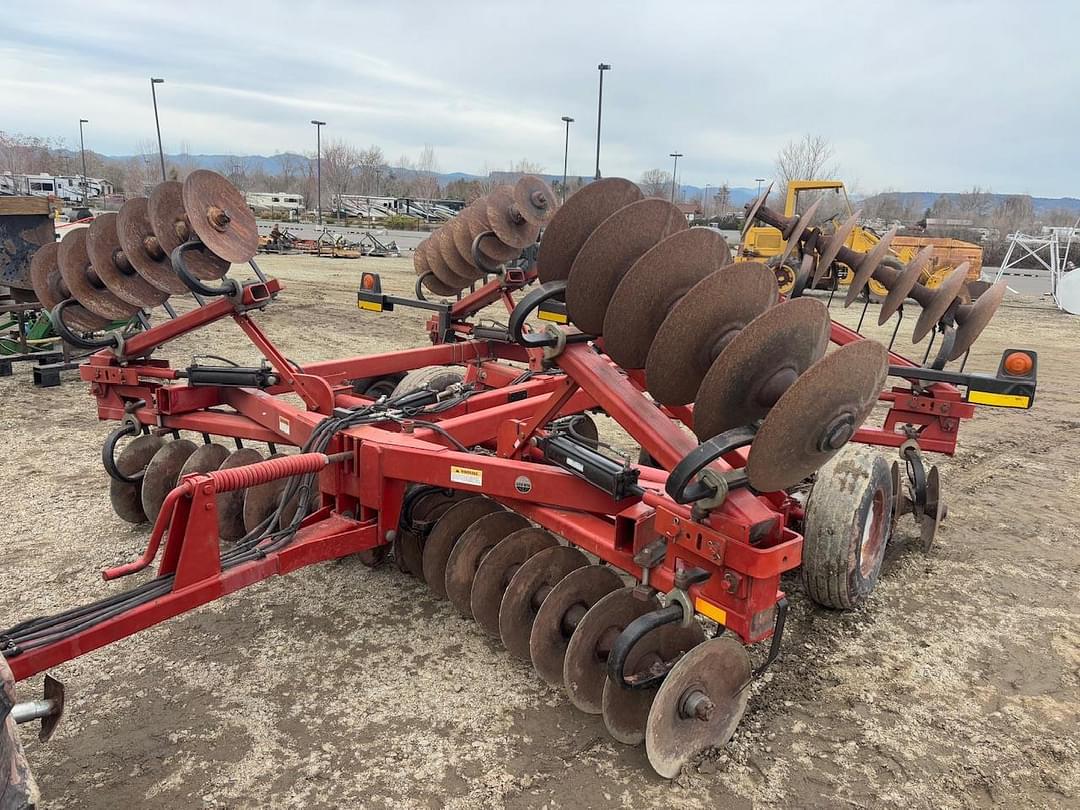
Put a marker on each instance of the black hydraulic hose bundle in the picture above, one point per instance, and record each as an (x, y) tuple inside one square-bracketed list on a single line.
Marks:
[(266, 538)]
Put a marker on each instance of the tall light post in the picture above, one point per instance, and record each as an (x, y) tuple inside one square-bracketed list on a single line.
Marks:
[(566, 153), (759, 181), (674, 172), (82, 151), (318, 163), (599, 109), (705, 203), (157, 123)]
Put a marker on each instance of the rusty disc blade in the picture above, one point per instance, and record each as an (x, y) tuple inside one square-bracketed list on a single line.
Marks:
[(445, 262), (701, 324), (751, 215), (85, 287), (473, 546), (832, 247), (220, 216), (445, 534), (942, 298), (867, 265), (576, 219), (509, 225), (142, 249), (126, 498), (112, 267), (494, 251), (49, 290), (422, 265), (409, 543), (436, 287), (559, 613), (169, 221), (585, 663), (459, 230), (457, 262), (526, 591), (626, 711), (904, 284), (206, 458), (897, 506), (162, 473), (760, 364), (42, 266), (718, 669), (973, 318), (610, 252), (231, 504), (653, 285), (261, 500), (933, 512), (804, 222), (498, 568), (817, 415), (534, 200)]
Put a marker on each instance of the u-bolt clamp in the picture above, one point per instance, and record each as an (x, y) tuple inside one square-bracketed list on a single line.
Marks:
[(679, 608), (130, 426), (111, 340), (692, 481), (479, 259), (229, 287)]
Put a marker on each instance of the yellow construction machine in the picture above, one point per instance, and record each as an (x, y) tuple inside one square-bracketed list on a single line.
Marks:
[(764, 243)]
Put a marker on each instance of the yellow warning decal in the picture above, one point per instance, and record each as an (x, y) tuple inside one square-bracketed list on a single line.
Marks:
[(710, 611), (466, 475), (554, 317), (999, 400), (371, 306)]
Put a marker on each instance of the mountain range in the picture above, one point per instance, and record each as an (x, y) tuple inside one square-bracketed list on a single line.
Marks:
[(738, 195)]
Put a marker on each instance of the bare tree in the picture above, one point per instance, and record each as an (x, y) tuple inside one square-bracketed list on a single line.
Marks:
[(425, 182), (722, 199), (811, 158), (183, 164), (655, 183), (372, 170), (292, 172), (340, 162)]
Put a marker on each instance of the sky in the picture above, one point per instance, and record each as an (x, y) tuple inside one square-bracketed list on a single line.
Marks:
[(913, 95)]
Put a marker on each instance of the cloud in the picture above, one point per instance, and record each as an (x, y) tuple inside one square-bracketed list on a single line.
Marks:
[(915, 95)]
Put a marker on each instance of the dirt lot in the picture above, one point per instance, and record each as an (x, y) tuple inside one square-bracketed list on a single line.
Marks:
[(342, 686)]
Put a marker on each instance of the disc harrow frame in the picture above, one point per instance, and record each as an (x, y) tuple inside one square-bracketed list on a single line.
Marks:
[(719, 555)]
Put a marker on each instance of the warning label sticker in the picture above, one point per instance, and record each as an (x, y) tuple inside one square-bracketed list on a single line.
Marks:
[(283, 425), (466, 475)]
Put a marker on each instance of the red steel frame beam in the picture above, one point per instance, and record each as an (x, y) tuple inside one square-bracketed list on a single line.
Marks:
[(743, 594)]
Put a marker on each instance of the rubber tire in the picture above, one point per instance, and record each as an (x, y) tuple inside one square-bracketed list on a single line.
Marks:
[(854, 487), (434, 378), (370, 386)]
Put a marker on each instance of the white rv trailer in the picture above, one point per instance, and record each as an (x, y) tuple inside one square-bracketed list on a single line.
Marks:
[(66, 187), (275, 201)]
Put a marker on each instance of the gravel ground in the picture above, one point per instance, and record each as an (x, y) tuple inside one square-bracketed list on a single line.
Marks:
[(344, 686)]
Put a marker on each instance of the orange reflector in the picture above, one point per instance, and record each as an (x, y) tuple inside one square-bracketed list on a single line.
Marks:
[(367, 281), (1018, 364)]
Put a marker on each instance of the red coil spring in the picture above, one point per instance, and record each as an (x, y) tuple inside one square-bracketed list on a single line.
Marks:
[(263, 471)]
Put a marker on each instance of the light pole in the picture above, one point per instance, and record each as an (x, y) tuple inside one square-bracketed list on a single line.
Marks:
[(82, 151), (157, 123), (674, 172), (318, 163), (759, 181), (705, 203), (566, 153), (599, 109)]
